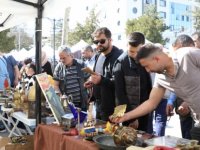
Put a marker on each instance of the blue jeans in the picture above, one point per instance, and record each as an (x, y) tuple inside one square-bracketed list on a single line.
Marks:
[(160, 118)]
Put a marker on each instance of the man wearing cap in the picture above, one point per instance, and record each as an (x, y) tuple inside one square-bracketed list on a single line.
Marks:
[(69, 78), (133, 82)]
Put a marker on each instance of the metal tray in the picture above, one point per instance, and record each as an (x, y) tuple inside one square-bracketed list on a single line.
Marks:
[(106, 142)]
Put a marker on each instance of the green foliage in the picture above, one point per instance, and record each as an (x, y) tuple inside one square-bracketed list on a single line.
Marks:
[(149, 24), (84, 31), (196, 15), (6, 42)]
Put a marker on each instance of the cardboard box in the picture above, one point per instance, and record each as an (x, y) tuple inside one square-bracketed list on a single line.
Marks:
[(7, 145), (3, 142)]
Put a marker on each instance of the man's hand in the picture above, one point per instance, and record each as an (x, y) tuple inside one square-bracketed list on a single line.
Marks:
[(134, 124), (95, 79), (183, 109), (88, 84), (169, 110), (118, 119)]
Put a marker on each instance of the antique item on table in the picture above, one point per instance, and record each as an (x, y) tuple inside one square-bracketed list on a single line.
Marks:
[(68, 122), (50, 95), (106, 142), (171, 141), (31, 103), (125, 136), (119, 111)]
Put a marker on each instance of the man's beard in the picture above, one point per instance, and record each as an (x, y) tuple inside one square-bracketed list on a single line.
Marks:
[(102, 49)]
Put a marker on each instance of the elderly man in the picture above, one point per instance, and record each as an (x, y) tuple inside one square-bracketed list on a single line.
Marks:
[(178, 73), (69, 78)]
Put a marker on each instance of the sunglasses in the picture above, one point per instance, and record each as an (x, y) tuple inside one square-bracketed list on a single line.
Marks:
[(102, 41)]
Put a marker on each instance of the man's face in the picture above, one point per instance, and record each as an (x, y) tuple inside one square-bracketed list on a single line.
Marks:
[(86, 54), (102, 43), (196, 41), (132, 51), (65, 58), (153, 64)]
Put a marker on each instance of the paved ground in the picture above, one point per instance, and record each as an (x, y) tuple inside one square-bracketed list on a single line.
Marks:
[(173, 127)]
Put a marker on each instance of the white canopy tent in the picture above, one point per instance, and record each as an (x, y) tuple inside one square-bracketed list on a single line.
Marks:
[(78, 46), (14, 12)]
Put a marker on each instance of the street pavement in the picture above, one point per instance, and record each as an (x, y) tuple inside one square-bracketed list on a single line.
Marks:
[(173, 127)]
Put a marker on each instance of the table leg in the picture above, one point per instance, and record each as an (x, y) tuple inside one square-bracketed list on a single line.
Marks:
[(15, 128)]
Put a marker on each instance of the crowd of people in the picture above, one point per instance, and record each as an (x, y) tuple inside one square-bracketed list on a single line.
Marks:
[(125, 77)]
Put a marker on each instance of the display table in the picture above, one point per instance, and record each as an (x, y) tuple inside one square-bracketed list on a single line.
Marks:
[(22, 117), (7, 120), (51, 137)]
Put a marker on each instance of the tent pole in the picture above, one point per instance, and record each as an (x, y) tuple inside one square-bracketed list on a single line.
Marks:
[(38, 45)]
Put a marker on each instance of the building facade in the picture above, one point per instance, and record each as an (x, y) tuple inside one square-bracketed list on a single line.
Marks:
[(177, 14)]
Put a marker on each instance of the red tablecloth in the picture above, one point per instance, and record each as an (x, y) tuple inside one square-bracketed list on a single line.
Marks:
[(50, 137)]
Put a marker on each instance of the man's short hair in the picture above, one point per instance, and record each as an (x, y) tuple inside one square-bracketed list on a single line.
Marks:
[(136, 38), (183, 40), (88, 48), (103, 30), (147, 50), (64, 48), (197, 34)]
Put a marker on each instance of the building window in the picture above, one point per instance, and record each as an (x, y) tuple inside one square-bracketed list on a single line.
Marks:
[(182, 18), (118, 23), (134, 10), (171, 27), (177, 17), (162, 14), (163, 3), (119, 37), (172, 8), (148, 1), (118, 10), (187, 8), (187, 18)]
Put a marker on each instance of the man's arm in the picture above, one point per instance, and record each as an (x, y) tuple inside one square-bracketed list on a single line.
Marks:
[(149, 105), (17, 75)]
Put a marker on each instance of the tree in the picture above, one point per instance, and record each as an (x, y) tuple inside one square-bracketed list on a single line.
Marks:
[(22, 38), (150, 24), (6, 41), (196, 16), (84, 31)]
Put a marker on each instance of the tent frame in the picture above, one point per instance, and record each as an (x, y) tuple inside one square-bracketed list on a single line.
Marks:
[(38, 38)]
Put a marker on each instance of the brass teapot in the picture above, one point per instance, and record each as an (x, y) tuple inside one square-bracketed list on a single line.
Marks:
[(125, 136)]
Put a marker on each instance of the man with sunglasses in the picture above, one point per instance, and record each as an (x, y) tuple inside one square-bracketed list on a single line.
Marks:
[(132, 82), (103, 89)]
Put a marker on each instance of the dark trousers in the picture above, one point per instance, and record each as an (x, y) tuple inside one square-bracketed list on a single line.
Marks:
[(195, 134), (186, 126), (160, 118)]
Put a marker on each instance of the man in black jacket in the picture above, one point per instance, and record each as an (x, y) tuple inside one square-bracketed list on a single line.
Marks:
[(133, 82), (103, 89)]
